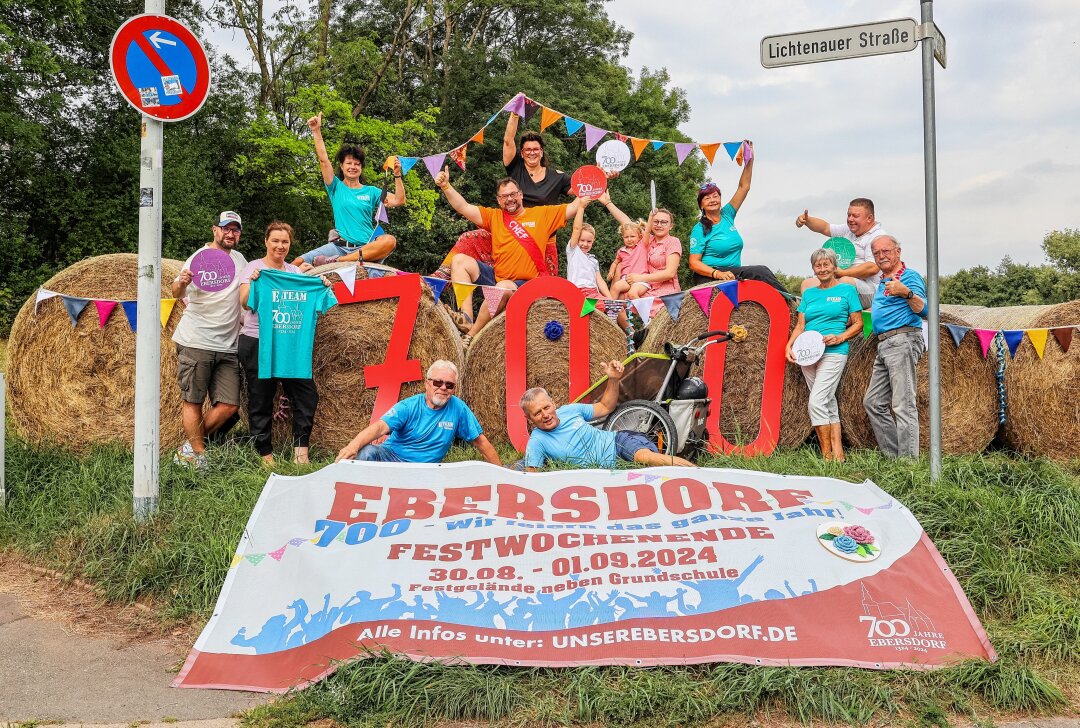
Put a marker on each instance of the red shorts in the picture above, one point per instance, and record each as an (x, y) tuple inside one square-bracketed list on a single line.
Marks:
[(593, 293)]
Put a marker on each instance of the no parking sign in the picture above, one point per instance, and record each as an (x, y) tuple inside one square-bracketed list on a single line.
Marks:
[(160, 67)]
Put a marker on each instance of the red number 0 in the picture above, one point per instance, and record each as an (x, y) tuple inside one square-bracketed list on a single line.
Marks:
[(516, 312), (772, 395), (397, 368)]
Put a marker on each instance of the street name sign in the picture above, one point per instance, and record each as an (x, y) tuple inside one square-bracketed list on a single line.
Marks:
[(834, 44), (160, 67)]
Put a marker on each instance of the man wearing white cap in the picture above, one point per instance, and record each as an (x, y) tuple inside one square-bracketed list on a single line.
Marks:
[(206, 347)]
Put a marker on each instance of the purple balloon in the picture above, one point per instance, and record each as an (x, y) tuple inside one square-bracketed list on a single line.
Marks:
[(212, 270)]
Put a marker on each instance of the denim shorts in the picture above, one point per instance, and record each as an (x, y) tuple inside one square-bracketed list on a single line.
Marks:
[(487, 276), (378, 454), (628, 442)]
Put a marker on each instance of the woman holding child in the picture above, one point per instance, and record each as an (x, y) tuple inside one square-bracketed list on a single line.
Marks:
[(648, 262)]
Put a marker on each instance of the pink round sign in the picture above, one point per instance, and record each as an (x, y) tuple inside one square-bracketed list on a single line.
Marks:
[(212, 270), (588, 181)]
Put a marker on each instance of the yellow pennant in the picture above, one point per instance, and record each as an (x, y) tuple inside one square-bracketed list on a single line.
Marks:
[(236, 559), (709, 150), (389, 163), (478, 137), (1037, 337), (463, 291), (166, 310), (638, 145), (548, 117)]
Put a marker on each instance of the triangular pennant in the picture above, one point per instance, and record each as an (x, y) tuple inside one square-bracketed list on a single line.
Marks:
[(462, 291), (633, 476), (437, 285), (650, 478), (985, 337), (643, 306), (709, 150), (276, 555), (43, 294), (1037, 337), (1064, 337), (376, 233), (166, 310), (104, 308), (493, 118), (593, 135), (376, 272), (739, 155), (74, 307), (255, 558), (589, 306), (656, 145), (296, 541), (867, 325), (548, 117), (683, 149), (516, 105), (530, 108), (458, 155), (381, 214), (389, 163), (748, 151), (407, 163), (957, 332), (572, 125), (236, 559), (434, 163), (493, 296), (1012, 340), (131, 311), (731, 290), (348, 277), (732, 148), (673, 303), (866, 511), (702, 296), (638, 145), (478, 137)]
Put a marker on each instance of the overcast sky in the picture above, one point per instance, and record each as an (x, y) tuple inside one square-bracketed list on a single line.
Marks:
[(1008, 113)]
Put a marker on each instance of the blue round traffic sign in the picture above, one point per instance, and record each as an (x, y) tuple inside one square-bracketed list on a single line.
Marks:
[(160, 67)]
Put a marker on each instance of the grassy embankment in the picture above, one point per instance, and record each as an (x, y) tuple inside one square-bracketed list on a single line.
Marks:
[(1010, 529)]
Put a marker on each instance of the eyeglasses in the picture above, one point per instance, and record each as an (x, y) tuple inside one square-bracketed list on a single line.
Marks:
[(661, 222), (508, 195), (443, 384), (887, 251), (230, 231)]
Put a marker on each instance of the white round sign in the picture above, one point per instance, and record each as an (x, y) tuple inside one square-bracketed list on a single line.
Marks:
[(613, 156), (808, 347)]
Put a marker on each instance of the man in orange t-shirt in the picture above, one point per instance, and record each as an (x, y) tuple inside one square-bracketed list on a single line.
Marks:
[(519, 235)]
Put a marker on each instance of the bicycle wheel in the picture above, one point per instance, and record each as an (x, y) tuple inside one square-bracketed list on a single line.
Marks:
[(648, 418)]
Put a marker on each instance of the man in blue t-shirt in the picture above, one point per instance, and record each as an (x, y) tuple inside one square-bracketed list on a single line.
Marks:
[(564, 434), (897, 314), (422, 428)]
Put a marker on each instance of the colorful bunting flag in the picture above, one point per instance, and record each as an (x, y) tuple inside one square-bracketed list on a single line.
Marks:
[(589, 306), (593, 135), (516, 105), (296, 541), (381, 214), (731, 290), (867, 325), (434, 163), (463, 291), (673, 303), (255, 558), (131, 311), (643, 306), (437, 285), (1064, 337), (376, 272), (732, 148), (656, 145), (407, 163), (74, 307), (548, 117), (957, 332), (43, 294), (167, 305), (1037, 337), (1012, 340), (530, 108), (739, 155), (389, 163), (683, 149), (572, 125), (478, 137), (638, 145), (348, 277), (376, 233), (709, 150), (985, 337), (458, 155), (703, 296), (748, 151), (236, 559), (493, 296), (104, 308)]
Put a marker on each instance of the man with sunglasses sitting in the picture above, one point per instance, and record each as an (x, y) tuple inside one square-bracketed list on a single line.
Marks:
[(422, 428)]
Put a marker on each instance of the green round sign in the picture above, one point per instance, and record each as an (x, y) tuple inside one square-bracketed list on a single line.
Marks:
[(844, 249)]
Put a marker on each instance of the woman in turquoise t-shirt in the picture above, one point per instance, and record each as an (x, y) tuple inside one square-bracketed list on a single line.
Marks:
[(832, 309), (715, 245)]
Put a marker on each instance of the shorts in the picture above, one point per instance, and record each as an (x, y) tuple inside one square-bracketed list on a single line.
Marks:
[(487, 276), (866, 291), (593, 293), (200, 373), (628, 442), (378, 454)]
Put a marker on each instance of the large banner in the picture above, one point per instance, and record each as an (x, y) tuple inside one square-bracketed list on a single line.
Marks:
[(474, 563)]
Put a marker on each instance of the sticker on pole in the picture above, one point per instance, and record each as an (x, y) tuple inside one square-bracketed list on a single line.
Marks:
[(160, 67), (212, 270), (844, 249), (588, 181), (808, 347), (613, 156)]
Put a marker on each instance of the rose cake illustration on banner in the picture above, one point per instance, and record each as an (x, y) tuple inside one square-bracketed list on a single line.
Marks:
[(468, 562)]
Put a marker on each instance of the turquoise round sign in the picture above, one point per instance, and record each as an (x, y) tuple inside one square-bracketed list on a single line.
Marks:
[(844, 249)]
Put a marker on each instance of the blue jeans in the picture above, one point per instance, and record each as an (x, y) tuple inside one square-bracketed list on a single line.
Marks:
[(328, 249), (628, 442), (378, 454), (890, 399)]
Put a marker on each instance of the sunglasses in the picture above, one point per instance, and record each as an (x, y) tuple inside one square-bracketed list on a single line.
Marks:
[(443, 384), (709, 186)]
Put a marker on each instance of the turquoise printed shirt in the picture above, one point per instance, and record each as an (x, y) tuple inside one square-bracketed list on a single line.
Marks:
[(288, 305), (573, 441), (827, 310), (354, 210), (722, 247)]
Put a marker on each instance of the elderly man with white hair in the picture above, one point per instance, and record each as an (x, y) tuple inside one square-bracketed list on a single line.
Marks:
[(422, 428)]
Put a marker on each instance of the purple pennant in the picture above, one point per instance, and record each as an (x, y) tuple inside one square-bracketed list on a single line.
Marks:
[(131, 311), (702, 296), (407, 163), (731, 290), (957, 332), (437, 285), (1013, 339), (673, 303), (434, 163), (732, 148), (516, 105), (381, 214), (74, 307), (683, 149), (985, 337), (593, 135)]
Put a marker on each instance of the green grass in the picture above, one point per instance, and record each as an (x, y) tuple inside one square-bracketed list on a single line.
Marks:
[(1009, 528)]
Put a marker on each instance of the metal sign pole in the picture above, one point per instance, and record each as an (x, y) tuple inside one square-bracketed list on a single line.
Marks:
[(3, 439), (930, 169)]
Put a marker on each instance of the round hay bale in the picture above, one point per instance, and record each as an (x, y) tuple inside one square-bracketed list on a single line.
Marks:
[(76, 385), (969, 397), (547, 362), (1002, 317), (352, 336), (744, 371), (1043, 412)]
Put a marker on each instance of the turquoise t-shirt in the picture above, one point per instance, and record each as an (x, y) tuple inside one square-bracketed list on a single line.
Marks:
[(722, 247), (420, 434), (354, 210), (287, 305), (827, 311), (890, 312), (573, 441)]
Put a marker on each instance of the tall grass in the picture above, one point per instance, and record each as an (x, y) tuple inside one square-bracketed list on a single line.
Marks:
[(1009, 528)]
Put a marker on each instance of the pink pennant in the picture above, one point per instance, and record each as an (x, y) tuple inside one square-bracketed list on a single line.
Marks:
[(434, 163), (633, 476), (985, 337), (702, 296), (683, 149), (276, 555), (493, 296), (593, 135), (866, 511), (104, 308)]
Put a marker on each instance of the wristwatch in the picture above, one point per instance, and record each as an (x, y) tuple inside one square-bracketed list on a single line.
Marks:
[(910, 295)]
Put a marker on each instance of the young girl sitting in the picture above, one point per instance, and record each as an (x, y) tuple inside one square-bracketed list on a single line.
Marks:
[(582, 268), (632, 259)]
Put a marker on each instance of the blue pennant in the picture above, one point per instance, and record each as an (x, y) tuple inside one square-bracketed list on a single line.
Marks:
[(957, 332), (376, 232), (407, 163), (657, 145), (437, 285), (74, 307), (732, 148), (1013, 339), (731, 290), (131, 310), (673, 302), (573, 126)]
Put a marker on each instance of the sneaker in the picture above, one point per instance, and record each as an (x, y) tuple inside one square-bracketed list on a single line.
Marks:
[(324, 260), (185, 456)]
